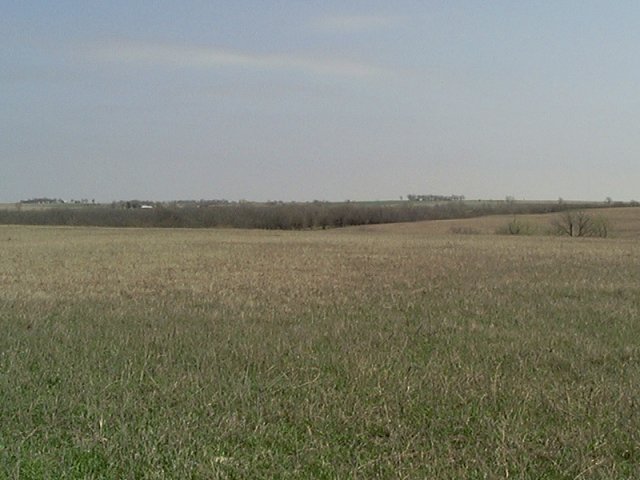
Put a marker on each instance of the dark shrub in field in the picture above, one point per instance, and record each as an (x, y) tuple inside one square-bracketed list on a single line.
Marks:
[(578, 223)]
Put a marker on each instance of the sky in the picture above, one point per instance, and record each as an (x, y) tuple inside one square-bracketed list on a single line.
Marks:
[(319, 100)]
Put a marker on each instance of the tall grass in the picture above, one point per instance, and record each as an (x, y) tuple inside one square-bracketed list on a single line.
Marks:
[(243, 354)]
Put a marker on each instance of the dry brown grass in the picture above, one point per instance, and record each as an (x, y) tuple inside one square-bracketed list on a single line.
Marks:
[(625, 223), (393, 351)]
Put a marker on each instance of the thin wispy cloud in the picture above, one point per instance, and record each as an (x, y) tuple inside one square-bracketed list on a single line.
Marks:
[(357, 23), (213, 57)]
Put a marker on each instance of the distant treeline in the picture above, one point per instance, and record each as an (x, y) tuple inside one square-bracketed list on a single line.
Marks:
[(282, 216), (434, 198), (42, 201)]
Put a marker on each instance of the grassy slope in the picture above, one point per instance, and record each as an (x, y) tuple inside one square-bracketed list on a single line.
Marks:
[(625, 223), (244, 354)]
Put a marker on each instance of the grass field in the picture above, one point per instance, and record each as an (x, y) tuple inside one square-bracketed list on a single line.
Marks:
[(625, 223), (399, 351)]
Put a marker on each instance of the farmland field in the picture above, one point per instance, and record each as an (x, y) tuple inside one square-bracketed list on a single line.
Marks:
[(398, 351)]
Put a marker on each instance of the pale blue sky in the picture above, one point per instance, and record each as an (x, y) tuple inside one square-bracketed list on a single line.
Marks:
[(332, 100)]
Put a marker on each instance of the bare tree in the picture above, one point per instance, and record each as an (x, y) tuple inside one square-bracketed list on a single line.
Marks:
[(577, 223)]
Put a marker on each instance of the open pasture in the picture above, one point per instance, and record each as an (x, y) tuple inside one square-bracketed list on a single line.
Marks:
[(374, 352), (624, 223)]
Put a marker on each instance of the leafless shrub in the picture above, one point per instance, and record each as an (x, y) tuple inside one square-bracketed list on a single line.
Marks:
[(516, 227), (464, 230), (578, 223)]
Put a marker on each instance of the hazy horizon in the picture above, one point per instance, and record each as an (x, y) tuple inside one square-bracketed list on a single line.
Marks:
[(293, 101)]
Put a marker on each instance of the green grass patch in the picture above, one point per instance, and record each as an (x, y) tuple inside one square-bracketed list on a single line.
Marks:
[(243, 354)]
